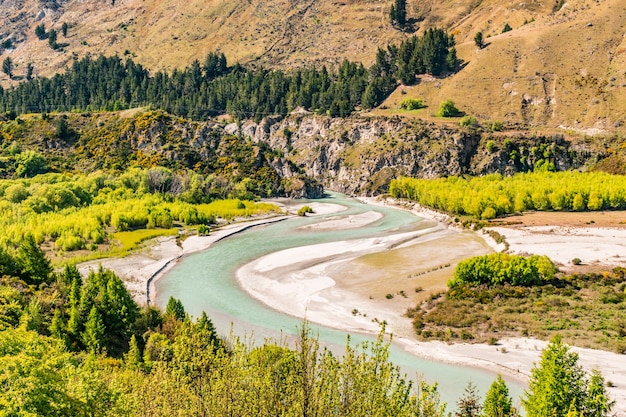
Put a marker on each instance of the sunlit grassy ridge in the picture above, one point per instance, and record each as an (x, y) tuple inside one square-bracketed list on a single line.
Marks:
[(84, 211)]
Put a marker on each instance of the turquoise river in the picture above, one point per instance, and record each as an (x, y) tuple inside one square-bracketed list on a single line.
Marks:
[(205, 281)]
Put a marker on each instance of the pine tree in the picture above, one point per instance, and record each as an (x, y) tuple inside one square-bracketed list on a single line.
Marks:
[(598, 403), (397, 13), (35, 267), (478, 40), (7, 66), (93, 336), (498, 403), (175, 308), (133, 357), (52, 39), (40, 32), (29, 71), (558, 386), (469, 405)]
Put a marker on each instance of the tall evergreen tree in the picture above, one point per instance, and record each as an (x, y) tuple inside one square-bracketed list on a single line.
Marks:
[(93, 336), (29, 71), (498, 402), (175, 308), (34, 266), (52, 39), (40, 32), (397, 13), (469, 405), (558, 386), (7, 66), (479, 40)]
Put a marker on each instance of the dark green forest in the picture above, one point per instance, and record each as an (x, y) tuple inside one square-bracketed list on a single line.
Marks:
[(204, 90)]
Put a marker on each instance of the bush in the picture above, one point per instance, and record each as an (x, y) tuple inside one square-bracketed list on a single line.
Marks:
[(502, 268), (491, 146), (497, 126), (203, 230), (304, 210), (576, 261), (412, 104), (488, 214), (448, 109), (468, 121)]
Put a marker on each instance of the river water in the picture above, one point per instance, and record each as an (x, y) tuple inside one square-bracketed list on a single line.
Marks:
[(205, 281)]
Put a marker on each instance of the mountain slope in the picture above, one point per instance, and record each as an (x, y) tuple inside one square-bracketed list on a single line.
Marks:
[(563, 64)]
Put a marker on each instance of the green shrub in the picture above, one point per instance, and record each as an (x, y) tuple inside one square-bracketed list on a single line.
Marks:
[(411, 104), (448, 109), (203, 230), (502, 268), (69, 242), (304, 210), (576, 261), (468, 121), (488, 214), (497, 126), (491, 146)]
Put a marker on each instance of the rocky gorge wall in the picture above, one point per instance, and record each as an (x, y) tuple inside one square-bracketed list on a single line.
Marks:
[(361, 155)]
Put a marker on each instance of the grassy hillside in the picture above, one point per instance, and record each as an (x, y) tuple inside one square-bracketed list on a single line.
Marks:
[(561, 65)]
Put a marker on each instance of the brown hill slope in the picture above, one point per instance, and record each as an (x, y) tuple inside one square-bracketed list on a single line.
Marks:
[(563, 64)]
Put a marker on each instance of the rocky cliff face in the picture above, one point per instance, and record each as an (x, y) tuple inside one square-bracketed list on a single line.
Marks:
[(362, 155)]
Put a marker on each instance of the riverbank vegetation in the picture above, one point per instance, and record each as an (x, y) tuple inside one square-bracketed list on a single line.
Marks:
[(587, 310), (74, 347), (495, 195), (104, 214)]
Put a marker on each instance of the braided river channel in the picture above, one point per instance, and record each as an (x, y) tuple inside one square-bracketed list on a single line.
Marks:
[(206, 281)]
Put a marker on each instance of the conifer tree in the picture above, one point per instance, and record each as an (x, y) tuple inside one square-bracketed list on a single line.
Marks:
[(40, 32), (29, 71), (133, 357), (558, 386), (469, 405), (478, 40), (397, 13), (7, 66), (175, 308), (35, 267), (498, 402), (52, 39), (93, 336)]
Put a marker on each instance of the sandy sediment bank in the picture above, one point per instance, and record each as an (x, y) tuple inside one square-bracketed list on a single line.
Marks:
[(337, 285), (319, 286), (142, 269)]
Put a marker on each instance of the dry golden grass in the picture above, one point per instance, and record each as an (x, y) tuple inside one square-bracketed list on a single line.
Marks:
[(613, 219), (555, 68)]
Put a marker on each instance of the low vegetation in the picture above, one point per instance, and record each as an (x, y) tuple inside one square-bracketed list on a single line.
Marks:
[(304, 210), (110, 214), (587, 310)]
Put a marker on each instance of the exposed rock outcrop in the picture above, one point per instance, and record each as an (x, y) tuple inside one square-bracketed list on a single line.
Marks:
[(361, 155)]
